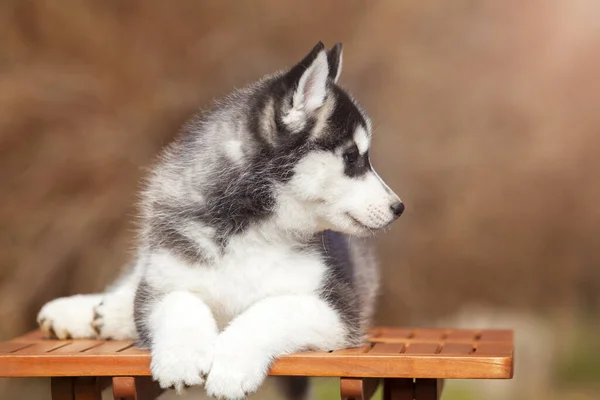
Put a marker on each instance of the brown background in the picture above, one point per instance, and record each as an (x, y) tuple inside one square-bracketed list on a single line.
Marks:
[(486, 117)]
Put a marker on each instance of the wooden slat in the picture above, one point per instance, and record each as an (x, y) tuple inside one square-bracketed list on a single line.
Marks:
[(494, 349), (403, 333), (389, 339), (30, 337), (133, 350), (397, 365), (422, 348), (432, 334), (404, 356), (496, 335), (42, 347), (109, 348), (10, 347), (352, 351), (387, 348), (457, 349), (393, 335), (76, 346), (462, 335)]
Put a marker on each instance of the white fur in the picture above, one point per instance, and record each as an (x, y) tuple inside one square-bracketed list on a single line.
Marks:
[(339, 69), (362, 140), (366, 199), (251, 272), (233, 149), (253, 289), (69, 316), (184, 333), (268, 329), (295, 119), (114, 315)]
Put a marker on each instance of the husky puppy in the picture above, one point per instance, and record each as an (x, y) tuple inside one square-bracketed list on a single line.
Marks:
[(252, 241)]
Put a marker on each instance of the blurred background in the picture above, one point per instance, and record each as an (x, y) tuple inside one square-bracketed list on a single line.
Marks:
[(487, 125)]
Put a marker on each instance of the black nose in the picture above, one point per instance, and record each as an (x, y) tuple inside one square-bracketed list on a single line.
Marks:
[(397, 208)]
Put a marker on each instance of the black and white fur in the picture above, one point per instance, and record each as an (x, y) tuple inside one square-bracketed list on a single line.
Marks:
[(252, 237)]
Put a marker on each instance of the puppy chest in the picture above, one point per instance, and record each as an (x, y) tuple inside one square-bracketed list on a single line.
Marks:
[(238, 282)]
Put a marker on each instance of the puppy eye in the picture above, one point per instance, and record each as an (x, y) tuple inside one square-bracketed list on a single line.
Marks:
[(351, 155)]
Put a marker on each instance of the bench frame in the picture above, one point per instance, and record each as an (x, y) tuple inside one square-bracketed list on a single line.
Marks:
[(143, 388), (411, 363)]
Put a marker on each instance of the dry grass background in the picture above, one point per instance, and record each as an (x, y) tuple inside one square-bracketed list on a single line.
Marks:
[(486, 117)]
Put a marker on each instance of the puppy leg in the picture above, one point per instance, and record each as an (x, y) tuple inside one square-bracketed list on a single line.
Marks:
[(106, 315), (182, 334), (270, 328)]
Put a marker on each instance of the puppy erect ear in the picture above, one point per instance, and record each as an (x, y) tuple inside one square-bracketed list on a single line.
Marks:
[(309, 82), (334, 59), (311, 90)]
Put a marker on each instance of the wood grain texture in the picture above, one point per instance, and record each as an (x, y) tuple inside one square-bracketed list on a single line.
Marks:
[(358, 388), (391, 353), (135, 388), (124, 388)]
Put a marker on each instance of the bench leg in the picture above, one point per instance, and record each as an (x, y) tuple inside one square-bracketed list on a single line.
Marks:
[(62, 388), (135, 388), (358, 388), (398, 389), (428, 389), (76, 388), (412, 389)]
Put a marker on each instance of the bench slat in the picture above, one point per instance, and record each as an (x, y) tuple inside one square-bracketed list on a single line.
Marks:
[(457, 349), (391, 353)]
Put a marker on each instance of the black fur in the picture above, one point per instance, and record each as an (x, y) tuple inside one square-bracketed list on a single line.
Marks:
[(343, 121), (245, 199), (143, 297), (356, 164), (250, 198), (338, 288), (166, 235), (334, 56)]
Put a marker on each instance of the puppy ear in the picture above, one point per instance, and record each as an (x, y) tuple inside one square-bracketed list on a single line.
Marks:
[(334, 59), (309, 80)]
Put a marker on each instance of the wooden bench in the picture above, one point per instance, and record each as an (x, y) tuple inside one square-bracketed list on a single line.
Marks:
[(411, 363)]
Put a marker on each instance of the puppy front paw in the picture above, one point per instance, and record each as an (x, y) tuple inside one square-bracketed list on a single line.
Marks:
[(69, 317), (180, 366), (235, 375)]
